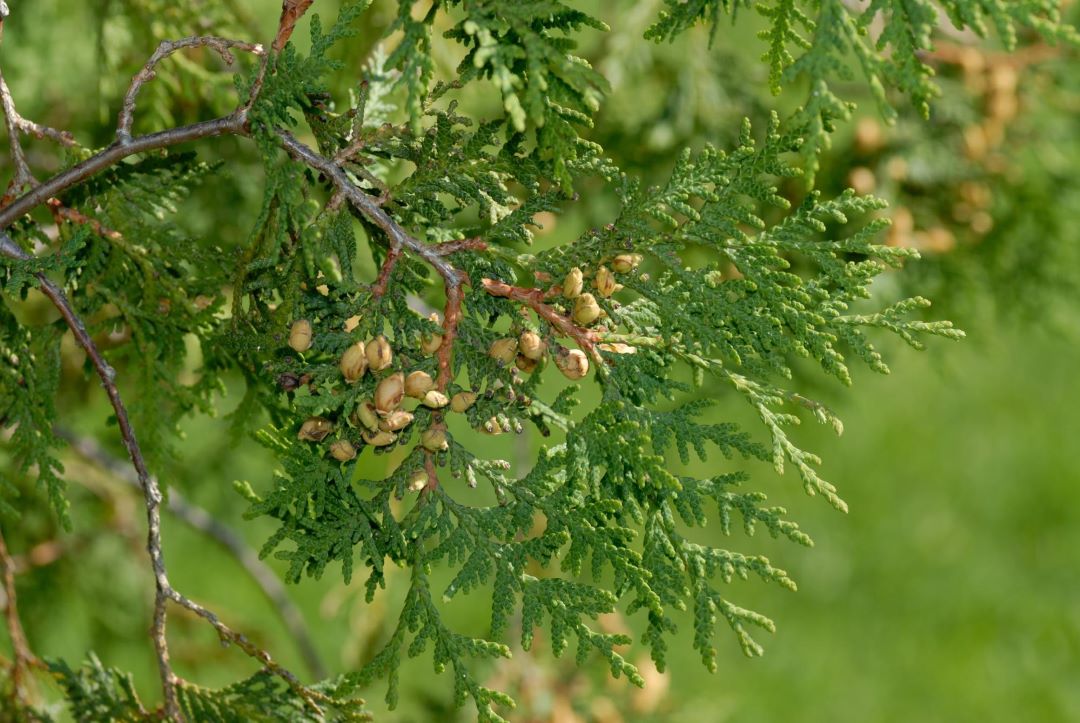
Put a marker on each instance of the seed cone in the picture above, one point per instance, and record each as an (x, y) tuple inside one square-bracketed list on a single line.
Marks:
[(586, 310), (573, 363), (353, 363), (625, 263), (434, 439), (390, 392), (300, 335), (503, 350), (431, 344), (418, 480), (435, 399), (380, 438), (461, 401), (367, 416), (343, 450), (315, 429), (531, 345), (379, 354), (396, 420), (605, 282), (417, 384), (573, 283), (526, 364)]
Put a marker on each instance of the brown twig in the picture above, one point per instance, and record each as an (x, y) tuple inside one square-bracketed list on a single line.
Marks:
[(451, 317), (432, 474), (201, 520), (223, 46), (387, 268), (23, 658), (465, 244), (232, 124), (291, 12), (228, 635), (23, 177), (60, 211), (149, 484), (534, 299)]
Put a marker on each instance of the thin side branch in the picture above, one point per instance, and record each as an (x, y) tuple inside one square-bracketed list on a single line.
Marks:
[(227, 634), (201, 520), (534, 299), (151, 491), (223, 46), (232, 124), (378, 289), (23, 658), (23, 177)]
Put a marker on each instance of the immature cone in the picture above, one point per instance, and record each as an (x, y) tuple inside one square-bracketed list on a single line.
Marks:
[(396, 420), (315, 429), (379, 354), (367, 416), (390, 392), (625, 263), (503, 350), (431, 344), (434, 439), (435, 399), (586, 310), (353, 363), (605, 282), (573, 363), (417, 384), (343, 450), (300, 335), (526, 364), (418, 480), (461, 401), (380, 438), (573, 283), (531, 345)]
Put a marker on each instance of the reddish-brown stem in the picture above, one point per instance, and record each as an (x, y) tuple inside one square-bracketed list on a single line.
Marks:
[(451, 319), (432, 474), (291, 12), (379, 287), (534, 299), (465, 244), (23, 658), (60, 211)]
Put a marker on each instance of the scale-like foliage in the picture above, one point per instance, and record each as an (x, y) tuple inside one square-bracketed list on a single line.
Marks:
[(701, 291)]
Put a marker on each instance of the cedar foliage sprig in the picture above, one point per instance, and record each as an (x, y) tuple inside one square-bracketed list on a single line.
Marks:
[(711, 276)]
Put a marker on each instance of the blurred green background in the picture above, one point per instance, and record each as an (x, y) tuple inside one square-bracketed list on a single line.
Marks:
[(950, 592)]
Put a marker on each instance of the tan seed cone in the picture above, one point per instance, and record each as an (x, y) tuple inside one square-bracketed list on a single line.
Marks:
[(417, 384), (390, 392), (353, 363), (300, 335), (343, 450), (315, 429), (379, 354)]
